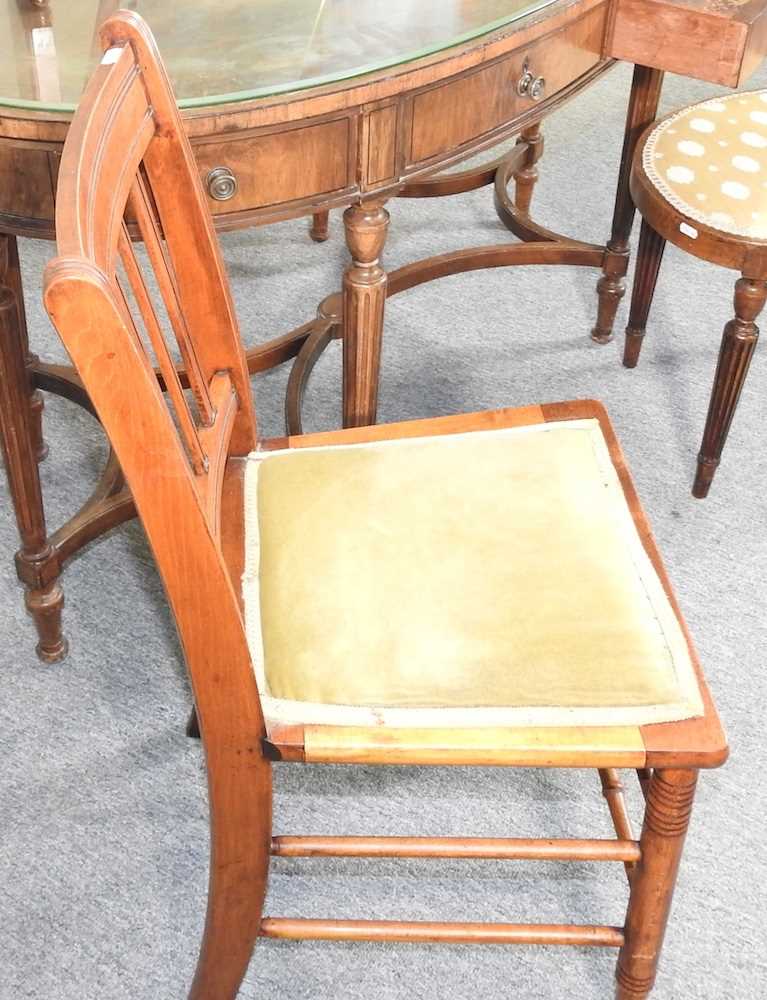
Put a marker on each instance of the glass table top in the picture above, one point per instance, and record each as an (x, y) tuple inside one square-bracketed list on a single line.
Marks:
[(219, 51)]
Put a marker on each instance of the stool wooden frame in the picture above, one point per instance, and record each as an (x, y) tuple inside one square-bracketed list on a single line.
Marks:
[(663, 222), (127, 147)]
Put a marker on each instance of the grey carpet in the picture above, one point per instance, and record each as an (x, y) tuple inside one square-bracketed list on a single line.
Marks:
[(103, 839)]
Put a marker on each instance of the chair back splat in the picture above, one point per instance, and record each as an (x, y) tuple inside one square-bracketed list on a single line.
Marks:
[(127, 155)]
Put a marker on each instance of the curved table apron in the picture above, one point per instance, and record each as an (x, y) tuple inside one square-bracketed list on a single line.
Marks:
[(354, 143)]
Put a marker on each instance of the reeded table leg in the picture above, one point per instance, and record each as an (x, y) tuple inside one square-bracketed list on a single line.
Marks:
[(738, 343), (36, 562), (526, 177), (649, 257), (642, 110), (364, 295), (669, 803)]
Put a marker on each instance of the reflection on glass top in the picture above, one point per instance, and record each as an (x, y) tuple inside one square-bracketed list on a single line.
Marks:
[(229, 50)]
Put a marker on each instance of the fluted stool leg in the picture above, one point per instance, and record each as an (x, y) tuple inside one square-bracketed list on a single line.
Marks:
[(738, 343), (649, 257), (669, 804)]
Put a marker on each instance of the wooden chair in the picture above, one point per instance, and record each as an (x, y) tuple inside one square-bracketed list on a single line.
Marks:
[(479, 589), (698, 180)]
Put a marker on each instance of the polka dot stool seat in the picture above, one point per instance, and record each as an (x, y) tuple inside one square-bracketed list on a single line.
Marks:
[(699, 180)]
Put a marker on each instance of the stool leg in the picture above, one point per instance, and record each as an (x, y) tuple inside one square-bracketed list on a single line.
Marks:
[(738, 343), (669, 804), (649, 257)]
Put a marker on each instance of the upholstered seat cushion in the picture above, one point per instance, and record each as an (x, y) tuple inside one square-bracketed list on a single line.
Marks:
[(492, 578), (710, 162)]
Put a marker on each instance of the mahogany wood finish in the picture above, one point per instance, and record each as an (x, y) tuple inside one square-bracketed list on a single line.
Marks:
[(357, 143), (667, 815), (328, 326), (304, 152), (527, 175), (128, 141), (407, 932), (127, 144), (456, 182), (319, 231), (454, 847), (354, 143), (643, 107), (738, 343), (721, 41), (649, 258), (662, 222), (613, 791), (36, 560), (364, 296)]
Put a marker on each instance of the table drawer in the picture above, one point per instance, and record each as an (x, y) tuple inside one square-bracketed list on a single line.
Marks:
[(722, 42), (256, 170), (449, 116), (27, 172)]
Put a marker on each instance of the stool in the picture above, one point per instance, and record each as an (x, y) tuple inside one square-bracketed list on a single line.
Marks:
[(699, 181)]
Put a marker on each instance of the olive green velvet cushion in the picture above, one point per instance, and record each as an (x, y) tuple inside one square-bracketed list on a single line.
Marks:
[(488, 578)]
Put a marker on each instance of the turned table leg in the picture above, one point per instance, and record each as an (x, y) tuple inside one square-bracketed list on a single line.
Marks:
[(667, 814), (649, 257), (364, 295), (738, 343), (642, 110), (525, 178), (37, 563), (318, 230)]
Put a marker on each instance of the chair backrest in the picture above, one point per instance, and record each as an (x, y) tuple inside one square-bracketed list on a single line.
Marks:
[(127, 152)]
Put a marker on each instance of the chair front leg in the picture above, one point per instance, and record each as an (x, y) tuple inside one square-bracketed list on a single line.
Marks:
[(667, 814)]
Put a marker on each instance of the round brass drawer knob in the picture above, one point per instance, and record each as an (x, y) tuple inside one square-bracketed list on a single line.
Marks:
[(538, 88), (222, 184)]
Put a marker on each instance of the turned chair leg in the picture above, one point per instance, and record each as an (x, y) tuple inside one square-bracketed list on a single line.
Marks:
[(526, 177), (319, 228), (649, 257), (669, 803), (738, 343)]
